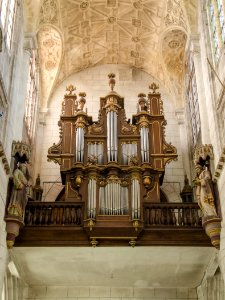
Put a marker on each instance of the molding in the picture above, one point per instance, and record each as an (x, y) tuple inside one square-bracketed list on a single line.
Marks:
[(4, 160)]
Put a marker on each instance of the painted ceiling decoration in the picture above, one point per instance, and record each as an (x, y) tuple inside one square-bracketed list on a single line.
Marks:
[(95, 32), (50, 52)]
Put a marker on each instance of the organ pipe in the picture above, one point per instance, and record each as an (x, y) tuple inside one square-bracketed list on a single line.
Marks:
[(112, 146), (144, 132), (92, 198), (135, 198), (79, 144)]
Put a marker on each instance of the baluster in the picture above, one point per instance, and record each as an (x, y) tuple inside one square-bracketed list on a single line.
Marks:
[(79, 216), (63, 215), (73, 213), (146, 216), (57, 215), (46, 215), (157, 216), (167, 216), (151, 216), (39, 220), (174, 221), (192, 220), (67, 215), (35, 216), (51, 215), (163, 216), (179, 216), (185, 216), (55, 209), (148, 221)]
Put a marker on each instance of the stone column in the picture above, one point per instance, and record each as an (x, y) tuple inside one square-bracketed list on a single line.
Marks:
[(3, 247), (195, 49)]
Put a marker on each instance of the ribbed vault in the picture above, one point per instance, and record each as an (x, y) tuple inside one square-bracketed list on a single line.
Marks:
[(92, 32)]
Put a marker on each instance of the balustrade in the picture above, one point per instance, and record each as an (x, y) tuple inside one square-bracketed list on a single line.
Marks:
[(53, 214), (172, 214)]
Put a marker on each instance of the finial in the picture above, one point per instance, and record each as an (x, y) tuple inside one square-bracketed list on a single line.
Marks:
[(112, 81), (71, 88), (153, 87), (82, 100), (142, 101)]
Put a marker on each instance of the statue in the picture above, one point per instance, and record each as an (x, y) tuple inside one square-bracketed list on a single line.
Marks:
[(204, 191), (18, 198)]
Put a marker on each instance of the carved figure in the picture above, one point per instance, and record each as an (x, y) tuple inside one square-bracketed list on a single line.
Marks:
[(204, 191), (19, 199)]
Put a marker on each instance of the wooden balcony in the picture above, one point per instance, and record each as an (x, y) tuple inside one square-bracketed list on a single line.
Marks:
[(62, 224)]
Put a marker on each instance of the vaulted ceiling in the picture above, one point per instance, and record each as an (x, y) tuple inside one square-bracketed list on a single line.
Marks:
[(75, 34)]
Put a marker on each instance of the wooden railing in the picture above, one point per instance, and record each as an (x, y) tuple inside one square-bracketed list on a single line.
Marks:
[(54, 214), (172, 214)]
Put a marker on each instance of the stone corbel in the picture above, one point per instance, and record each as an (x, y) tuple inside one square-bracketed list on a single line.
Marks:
[(4, 160)]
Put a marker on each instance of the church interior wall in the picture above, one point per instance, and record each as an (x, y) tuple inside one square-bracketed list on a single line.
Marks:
[(107, 293), (130, 82)]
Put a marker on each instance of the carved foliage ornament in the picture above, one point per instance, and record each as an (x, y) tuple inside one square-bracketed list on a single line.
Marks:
[(50, 51), (48, 12), (175, 14)]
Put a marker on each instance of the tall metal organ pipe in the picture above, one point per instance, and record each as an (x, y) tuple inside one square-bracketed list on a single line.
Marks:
[(144, 132), (135, 198), (92, 198), (79, 144), (112, 146)]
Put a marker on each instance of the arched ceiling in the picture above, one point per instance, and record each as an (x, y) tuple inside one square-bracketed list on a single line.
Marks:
[(77, 34)]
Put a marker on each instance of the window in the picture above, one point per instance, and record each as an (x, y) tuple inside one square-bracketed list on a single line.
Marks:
[(192, 99), (220, 8), (215, 39), (31, 99), (7, 17)]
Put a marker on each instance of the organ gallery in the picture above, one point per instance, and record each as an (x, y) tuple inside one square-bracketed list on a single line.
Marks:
[(113, 166)]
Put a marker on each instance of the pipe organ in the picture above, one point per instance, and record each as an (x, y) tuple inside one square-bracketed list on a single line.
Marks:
[(113, 165)]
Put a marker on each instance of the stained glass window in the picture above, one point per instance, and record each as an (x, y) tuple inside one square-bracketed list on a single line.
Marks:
[(192, 99), (215, 38), (31, 99), (221, 18), (7, 16)]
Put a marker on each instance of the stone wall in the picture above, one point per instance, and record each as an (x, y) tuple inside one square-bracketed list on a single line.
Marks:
[(107, 293)]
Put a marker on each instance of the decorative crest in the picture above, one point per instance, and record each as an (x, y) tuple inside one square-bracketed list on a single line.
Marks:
[(154, 87), (112, 81), (71, 88)]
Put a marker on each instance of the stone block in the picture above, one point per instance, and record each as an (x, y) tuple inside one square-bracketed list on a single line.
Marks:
[(37, 292), (167, 293), (122, 292), (144, 292), (100, 292), (192, 294), (79, 292), (56, 291), (182, 293)]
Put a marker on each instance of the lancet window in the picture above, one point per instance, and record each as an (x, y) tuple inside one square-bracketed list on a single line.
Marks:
[(216, 13), (7, 16), (192, 99), (31, 98)]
